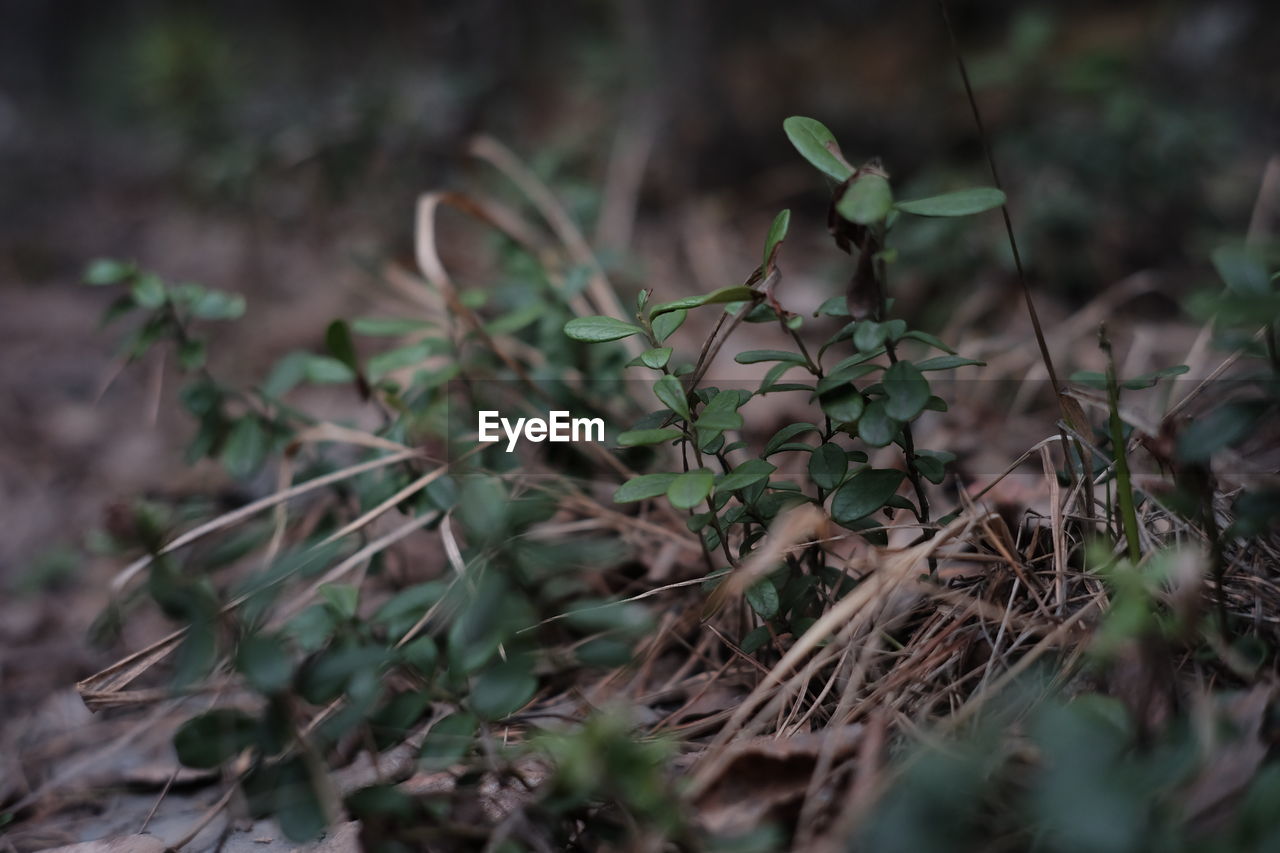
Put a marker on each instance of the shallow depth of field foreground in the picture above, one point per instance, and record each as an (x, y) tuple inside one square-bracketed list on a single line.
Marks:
[(640, 426)]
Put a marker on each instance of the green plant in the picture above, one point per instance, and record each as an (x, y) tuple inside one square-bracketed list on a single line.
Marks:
[(475, 646), (863, 398), (456, 668)]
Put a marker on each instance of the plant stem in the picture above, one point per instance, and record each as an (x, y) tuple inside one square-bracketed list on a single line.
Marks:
[(1124, 485)]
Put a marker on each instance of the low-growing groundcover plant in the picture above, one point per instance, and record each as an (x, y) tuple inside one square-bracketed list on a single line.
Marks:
[(1103, 680)]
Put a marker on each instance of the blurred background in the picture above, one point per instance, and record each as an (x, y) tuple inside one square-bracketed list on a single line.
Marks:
[(276, 149)]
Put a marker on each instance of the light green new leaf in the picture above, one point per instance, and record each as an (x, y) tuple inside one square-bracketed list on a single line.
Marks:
[(777, 233), (816, 144), (656, 358), (947, 362), (666, 324), (747, 474), (669, 390), (643, 487), (108, 271), (594, 330), (691, 488), (738, 293), (867, 200), (1242, 270), (959, 203), (755, 356)]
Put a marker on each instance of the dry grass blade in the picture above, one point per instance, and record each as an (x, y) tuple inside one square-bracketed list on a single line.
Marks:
[(869, 597), (787, 531), (599, 289), (367, 552), (248, 510), (433, 268)]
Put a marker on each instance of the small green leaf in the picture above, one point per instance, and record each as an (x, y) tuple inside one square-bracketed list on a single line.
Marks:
[(816, 144), (245, 448), (656, 358), (448, 741), (785, 435), (931, 340), (107, 271), (691, 488), (947, 362), (836, 306), (399, 358), (605, 652), (959, 203), (327, 675), (756, 356), (298, 809), (338, 341), (421, 654), (483, 507), (665, 325), (907, 390), (867, 200), (754, 639), (869, 335), (748, 473), (148, 291), (388, 327), (865, 492), (854, 367), (217, 305), (1242, 270), (932, 464), (191, 354), (828, 464), (594, 330), (639, 437), (720, 414), (326, 370), (1092, 378), (1220, 428), (642, 488), (875, 427), (739, 293), (264, 662), (669, 390), (502, 689), (844, 404), (763, 598), (777, 233), (344, 598), (214, 737)]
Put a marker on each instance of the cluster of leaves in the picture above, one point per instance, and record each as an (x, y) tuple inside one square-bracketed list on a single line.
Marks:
[(1246, 316), (1077, 775), (441, 662), (864, 395), (447, 657)]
